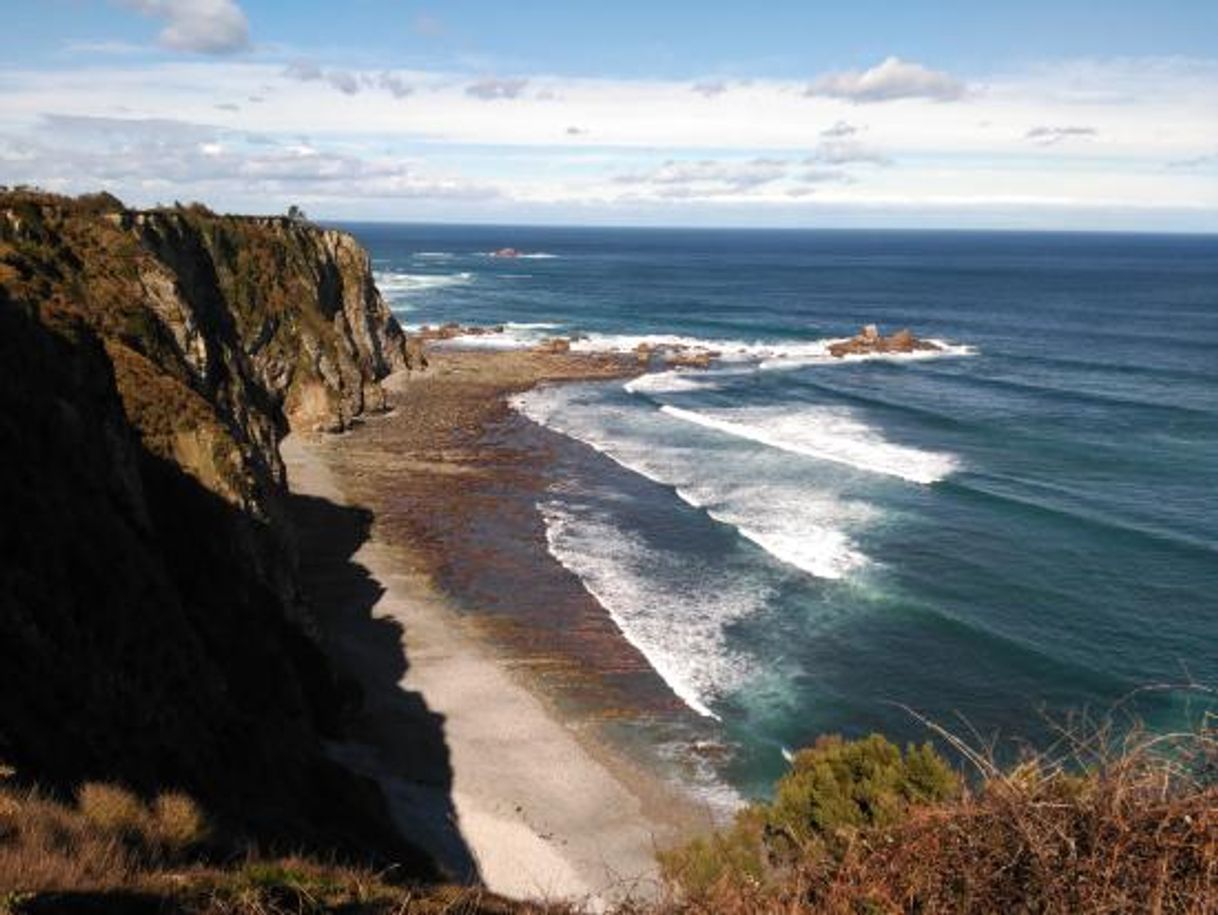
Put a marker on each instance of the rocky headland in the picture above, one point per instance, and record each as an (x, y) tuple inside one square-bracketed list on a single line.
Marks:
[(153, 630)]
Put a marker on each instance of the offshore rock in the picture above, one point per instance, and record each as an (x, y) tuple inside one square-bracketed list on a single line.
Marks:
[(870, 341)]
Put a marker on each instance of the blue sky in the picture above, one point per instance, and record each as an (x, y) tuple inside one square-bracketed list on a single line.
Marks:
[(1030, 115)]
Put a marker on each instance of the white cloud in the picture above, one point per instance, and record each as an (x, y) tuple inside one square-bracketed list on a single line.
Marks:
[(202, 26), (844, 152), (303, 70), (394, 85), (705, 177), (1194, 161), (889, 80), (1047, 136), (840, 129), (348, 82), (823, 176), (344, 81), (496, 88), (710, 88)]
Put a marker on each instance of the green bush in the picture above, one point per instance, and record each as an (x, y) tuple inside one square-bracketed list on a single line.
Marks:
[(834, 789), (838, 786)]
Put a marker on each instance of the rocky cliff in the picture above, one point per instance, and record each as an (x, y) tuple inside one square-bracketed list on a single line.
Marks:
[(151, 627)]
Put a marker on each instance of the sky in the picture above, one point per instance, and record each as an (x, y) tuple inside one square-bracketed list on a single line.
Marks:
[(1028, 115)]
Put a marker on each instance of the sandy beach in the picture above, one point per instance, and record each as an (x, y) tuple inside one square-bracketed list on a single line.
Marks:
[(482, 766)]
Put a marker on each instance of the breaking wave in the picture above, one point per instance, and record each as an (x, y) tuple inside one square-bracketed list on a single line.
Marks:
[(825, 434)]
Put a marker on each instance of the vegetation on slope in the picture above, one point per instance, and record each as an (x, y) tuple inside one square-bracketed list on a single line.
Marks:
[(855, 827), (863, 828), (108, 850)]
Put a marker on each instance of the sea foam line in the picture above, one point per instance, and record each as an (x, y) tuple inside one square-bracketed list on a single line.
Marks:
[(827, 436), (395, 281), (678, 632)]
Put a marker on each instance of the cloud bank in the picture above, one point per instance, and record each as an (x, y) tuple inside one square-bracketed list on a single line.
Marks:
[(347, 139)]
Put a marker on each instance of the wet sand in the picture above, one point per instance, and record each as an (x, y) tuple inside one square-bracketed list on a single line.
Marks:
[(492, 668)]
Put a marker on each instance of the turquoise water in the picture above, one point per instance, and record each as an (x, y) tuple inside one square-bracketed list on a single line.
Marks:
[(1026, 523)]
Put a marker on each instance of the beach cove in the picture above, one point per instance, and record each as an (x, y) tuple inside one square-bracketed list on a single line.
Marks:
[(515, 788)]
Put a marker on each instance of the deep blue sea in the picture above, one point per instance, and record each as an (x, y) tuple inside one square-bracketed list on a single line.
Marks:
[(1024, 524)]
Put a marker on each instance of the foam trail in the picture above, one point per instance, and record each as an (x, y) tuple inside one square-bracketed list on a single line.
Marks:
[(826, 434), (671, 382), (787, 360), (530, 256), (673, 612), (397, 283)]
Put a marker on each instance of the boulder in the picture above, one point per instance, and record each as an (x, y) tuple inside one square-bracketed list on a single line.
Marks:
[(554, 345), (687, 360)]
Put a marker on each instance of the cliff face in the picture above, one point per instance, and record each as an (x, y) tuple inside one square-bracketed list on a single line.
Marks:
[(151, 627)]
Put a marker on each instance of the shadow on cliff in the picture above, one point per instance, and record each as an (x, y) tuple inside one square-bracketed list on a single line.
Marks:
[(143, 640), (392, 735)]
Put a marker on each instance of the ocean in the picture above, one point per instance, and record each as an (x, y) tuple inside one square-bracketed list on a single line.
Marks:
[(988, 537)]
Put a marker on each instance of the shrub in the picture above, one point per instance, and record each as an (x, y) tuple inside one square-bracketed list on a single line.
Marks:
[(112, 808), (177, 822), (837, 786), (834, 789)]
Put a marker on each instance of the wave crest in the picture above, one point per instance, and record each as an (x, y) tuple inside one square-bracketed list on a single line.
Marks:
[(826, 434)]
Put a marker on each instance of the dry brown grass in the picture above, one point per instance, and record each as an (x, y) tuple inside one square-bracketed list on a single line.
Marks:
[(113, 852)]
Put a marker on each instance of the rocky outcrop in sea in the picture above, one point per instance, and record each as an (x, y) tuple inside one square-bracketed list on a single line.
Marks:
[(870, 341)]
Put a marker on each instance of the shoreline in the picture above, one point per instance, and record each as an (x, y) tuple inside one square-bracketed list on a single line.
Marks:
[(518, 790)]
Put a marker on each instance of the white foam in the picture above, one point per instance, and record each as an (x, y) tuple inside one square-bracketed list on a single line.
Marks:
[(523, 256), (671, 382), (725, 350), (673, 613), (799, 359), (434, 255), (779, 354), (396, 283), (823, 552), (798, 521), (515, 335), (825, 434)]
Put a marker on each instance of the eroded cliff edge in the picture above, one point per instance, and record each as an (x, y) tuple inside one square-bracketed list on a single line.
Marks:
[(152, 630)]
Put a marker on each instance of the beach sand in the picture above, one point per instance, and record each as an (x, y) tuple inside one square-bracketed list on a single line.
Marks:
[(468, 723)]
